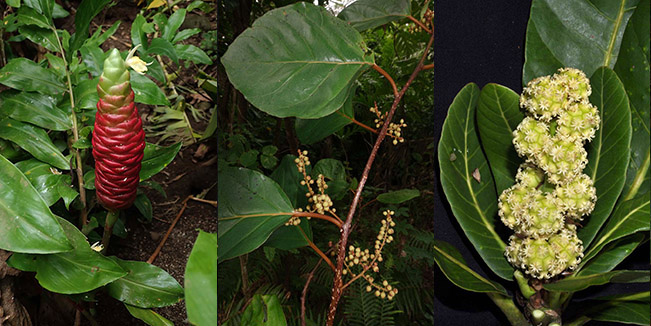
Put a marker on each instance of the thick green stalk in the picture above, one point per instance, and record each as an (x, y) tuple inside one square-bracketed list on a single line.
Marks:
[(506, 304), (111, 218)]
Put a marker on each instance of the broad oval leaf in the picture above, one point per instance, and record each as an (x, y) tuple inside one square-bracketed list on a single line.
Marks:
[(37, 109), (335, 175), (633, 69), (201, 280), (175, 21), (146, 91), (78, 271), (43, 177), (629, 217), (26, 223), (310, 131), (578, 283), (29, 16), (574, 33), (298, 61), (145, 285), (498, 114), (192, 53), (86, 96), (608, 152), (149, 316), (612, 255), (41, 36), (473, 203), (34, 140), (455, 269), (398, 196), (264, 310), (367, 14), (164, 47), (25, 75), (156, 158), (249, 211), (636, 313)]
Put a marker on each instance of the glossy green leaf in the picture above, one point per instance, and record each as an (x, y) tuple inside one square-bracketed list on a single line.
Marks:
[(310, 131), (43, 177), (201, 281), (398, 196), (575, 33), (498, 114), (58, 12), (41, 36), (367, 14), (633, 69), (608, 152), (93, 57), (578, 283), (86, 96), (288, 178), (25, 75), (143, 204), (252, 208), (264, 310), (78, 271), (173, 23), (192, 53), (66, 190), (37, 109), (138, 32), (86, 11), (156, 158), (146, 91), (148, 316), (26, 223), (29, 16), (163, 47), (629, 217), (613, 254), (23, 262), (185, 34), (636, 313), (474, 203), (335, 175), (452, 264), (298, 61), (34, 140), (44, 7), (145, 285)]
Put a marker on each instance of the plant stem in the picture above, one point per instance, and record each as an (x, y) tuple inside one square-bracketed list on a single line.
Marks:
[(388, 77), (526, 290), (83, 218), (316, 249), (345, 229), (420, 24), (111, 217), (513, 314), (304, 294)]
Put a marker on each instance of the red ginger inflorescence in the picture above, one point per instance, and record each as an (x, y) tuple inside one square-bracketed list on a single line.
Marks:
[(118, 138)]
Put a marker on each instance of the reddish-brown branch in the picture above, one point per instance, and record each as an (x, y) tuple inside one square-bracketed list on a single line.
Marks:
[(316, 249), (337, 287), (304, 294), (319, 216), (428, 67), (388, 77), (420, 24), (169, 231), (361, 124)]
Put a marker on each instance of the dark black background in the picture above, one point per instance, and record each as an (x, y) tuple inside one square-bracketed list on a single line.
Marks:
[(482, 42)]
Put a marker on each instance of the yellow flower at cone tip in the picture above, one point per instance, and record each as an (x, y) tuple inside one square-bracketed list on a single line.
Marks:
[(97, 246), (137, 64)]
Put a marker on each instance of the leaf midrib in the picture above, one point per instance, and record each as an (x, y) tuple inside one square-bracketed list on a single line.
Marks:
[(615, 228), (613, 35), (466, 268)]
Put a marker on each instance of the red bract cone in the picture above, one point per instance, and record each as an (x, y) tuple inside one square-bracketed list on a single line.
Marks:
[(118, 138)]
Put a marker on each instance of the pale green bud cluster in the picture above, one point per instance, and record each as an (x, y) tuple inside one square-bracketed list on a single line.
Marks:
[(551, 190)]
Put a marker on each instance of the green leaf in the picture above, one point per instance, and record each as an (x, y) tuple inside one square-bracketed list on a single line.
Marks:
[(34, 140), (148, 316), (367, 14), (335, 175), (577, 33), (498, 114), (14, 3), (143, 204), (78, 271), (43, 177), (473, 203), (609, 151), (93, 57), (613, 254), (58, 12), (298, 61), (41, 36), (56, 63), (201, 280), (192, 53), (23, 262), (86, 11), (185, 34), (37, 109), (86, 96), (156, 158), (636, 313), (25, 75), (138, 32), (98, 39), (146, 91), (174, 22), (66, 191), (452, 264), (252, 208), (633, 69), (145, 285), (164, 47), (310, 131), (399, 196), (29, 16), (578, 283), (264, 310), (44, 7), (26, 223), (629, 217)]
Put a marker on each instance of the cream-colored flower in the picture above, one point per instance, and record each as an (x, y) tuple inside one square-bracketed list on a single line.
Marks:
[(137, 64)]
